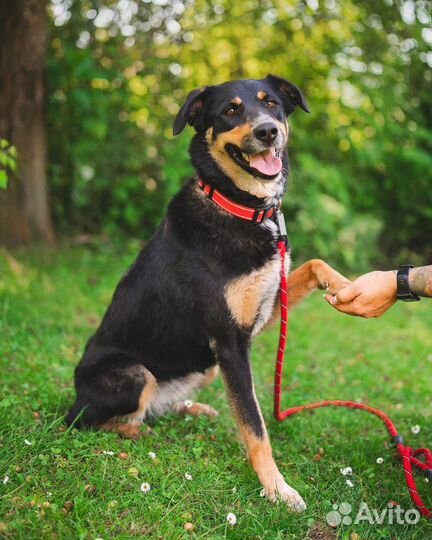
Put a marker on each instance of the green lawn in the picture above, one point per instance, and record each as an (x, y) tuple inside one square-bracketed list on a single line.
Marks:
[(64, 485)]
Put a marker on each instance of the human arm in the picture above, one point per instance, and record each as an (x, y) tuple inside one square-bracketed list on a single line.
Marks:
[(420, 281), (372, 294)]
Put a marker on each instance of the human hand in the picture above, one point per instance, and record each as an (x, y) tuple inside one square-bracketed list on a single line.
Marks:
[(370, 295)]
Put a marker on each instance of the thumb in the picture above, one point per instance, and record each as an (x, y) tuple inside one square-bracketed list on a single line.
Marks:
[(343, 296)]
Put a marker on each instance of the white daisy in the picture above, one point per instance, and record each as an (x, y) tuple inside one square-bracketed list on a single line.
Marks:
[(347, 471), (380, 460), (108, 453), (188, 476), (416, 429), (5, 479), (152, 455), (349, 483), (188, 403), (231, 518), (27, 442), (145, 487)]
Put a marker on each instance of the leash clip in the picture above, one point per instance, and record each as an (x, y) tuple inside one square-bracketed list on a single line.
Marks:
[(280, 222)]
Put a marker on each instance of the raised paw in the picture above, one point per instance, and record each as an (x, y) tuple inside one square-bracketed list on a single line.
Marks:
[(194, 408), (329, 279), (282, 492)]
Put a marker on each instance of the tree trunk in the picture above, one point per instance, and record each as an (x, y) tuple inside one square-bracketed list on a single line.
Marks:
[(24, 212)]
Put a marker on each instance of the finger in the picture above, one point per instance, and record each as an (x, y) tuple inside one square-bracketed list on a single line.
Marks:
[(345, 295), (348, 309), (332, 300)]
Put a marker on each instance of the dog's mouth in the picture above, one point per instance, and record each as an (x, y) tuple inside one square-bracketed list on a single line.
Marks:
[(266, 165)]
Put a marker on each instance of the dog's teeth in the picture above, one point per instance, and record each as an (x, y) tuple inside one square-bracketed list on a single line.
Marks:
[(245, 156)]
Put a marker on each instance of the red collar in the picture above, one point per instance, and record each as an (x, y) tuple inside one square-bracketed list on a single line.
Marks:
[(238, 210)]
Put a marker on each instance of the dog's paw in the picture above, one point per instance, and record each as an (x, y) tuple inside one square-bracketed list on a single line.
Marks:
[(194, 408), (334, 282), (203, 408), (282, 492)]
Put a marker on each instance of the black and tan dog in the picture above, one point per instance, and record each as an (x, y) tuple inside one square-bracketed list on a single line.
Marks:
[(206, 283)]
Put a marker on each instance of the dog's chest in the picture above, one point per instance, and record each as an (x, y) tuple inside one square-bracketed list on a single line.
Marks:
[(251, 297)]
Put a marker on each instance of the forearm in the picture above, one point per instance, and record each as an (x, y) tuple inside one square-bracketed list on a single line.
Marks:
[(420, 280)]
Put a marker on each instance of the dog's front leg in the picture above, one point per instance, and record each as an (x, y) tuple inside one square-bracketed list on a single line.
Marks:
[(312, 275), (234, 362)]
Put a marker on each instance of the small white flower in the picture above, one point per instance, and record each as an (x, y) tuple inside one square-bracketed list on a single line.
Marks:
[(152, 455), (5, 479), (262, 493), (347, 471), (188, 476), (231, 518), (27, 442), (145, 487), (108, 453), (416, 429), (188, 403), (380, 460), (349, 483), (426, 480)]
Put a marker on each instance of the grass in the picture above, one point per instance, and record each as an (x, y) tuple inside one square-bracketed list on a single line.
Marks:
[(63, 485)]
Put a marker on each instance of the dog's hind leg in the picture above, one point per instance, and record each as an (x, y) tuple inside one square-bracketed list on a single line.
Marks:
[(174, 395), (113, 394), (195, 408), (129, 426)]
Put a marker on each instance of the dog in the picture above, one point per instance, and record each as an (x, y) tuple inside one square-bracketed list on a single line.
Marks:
[(207, 282)]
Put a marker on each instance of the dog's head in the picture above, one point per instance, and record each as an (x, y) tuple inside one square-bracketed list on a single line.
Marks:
[(244, 124)]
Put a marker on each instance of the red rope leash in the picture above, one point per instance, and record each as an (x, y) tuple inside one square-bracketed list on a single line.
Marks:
[(408, 455)]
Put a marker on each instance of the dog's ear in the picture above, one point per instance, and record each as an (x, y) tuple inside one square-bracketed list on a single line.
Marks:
[(290, 94), (191, 111)]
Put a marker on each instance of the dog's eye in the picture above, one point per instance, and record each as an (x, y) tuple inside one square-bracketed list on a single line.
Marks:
[(231, 111), (271, 104)]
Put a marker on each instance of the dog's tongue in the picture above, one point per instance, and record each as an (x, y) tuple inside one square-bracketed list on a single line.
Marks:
[(266, 162)]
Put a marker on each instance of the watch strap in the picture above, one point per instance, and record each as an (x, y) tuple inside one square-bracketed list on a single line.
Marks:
[(403, 289)]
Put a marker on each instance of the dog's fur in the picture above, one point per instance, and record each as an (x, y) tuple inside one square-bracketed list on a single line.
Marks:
[(204, 285)]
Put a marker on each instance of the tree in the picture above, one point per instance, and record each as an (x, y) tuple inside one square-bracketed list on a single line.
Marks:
[(24, 211)]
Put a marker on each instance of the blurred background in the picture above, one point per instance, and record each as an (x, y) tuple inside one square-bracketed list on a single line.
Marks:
[(89, 90)]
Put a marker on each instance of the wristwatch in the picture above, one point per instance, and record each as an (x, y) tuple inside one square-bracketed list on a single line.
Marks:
[(403, 289)]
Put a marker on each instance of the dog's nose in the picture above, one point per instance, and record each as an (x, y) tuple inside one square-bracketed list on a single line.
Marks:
[(266, 132)]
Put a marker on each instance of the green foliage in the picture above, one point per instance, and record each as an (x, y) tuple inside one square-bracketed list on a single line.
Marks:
[(50, 302), (361, 162), (7, 161)]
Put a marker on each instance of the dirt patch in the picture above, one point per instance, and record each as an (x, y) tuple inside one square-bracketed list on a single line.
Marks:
[(321, 531)]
